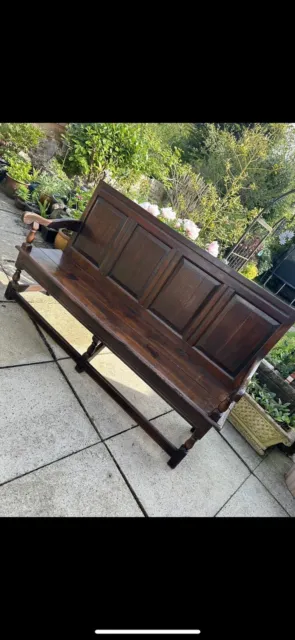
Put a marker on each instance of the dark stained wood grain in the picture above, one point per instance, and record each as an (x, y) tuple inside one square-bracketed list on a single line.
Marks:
[(187, 324), (184, 295)]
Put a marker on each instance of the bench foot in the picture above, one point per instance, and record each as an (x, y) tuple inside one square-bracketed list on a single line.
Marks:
[(12, 286), (93, 349), (177, 456), (10, 292)]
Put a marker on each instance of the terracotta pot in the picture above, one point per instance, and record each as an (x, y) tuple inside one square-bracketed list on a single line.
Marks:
[(44, 197), (10, 186), (61, 240), (290, 480)]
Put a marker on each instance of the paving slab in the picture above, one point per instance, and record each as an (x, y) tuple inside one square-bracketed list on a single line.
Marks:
[(130, 385), (241, 446), (3, 284), (8, 267), (199, 486), (7, 204), (61, 320), (252, 500), (86, 484), (40, 419), (107, 415), (20, 342), (12, 223), (271, 472), (8, 242)]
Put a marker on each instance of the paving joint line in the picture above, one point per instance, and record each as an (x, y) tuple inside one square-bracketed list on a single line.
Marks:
[(48, 464), (26, 364), (273, 496), (252, 472), (94, 426), (232, 495), (133, 426), (232, 448)]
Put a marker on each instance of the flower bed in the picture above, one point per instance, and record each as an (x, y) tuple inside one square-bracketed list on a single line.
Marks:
[(183, 225)]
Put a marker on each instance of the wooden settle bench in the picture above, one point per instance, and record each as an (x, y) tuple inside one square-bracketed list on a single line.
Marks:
[(190, 326)]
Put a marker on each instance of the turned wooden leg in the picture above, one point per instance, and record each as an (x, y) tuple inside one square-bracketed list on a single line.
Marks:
[(12, 285), (92, 350), (180, 453)]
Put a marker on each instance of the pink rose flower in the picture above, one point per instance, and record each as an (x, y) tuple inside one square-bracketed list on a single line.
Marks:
[(213, 248), (191, 229)]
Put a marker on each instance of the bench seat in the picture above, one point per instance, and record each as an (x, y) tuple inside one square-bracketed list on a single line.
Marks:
[(138, 344)]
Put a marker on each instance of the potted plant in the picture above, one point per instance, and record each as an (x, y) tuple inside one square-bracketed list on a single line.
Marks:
[(18, 173), (22, 197), (62, 239), (51, 188), (262, 418), (3, 169)]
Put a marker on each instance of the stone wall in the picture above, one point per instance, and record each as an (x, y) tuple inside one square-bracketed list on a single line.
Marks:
[(52, 129)]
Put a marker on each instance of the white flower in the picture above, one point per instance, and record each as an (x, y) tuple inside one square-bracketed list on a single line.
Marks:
[(191, 229), (151, 208), (177, 224), (168, 213), (145, 205), (213, 248), (154, 210)]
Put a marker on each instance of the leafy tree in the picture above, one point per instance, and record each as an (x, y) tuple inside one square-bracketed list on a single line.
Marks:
[(126, 150), (20, 136), (95, 147)]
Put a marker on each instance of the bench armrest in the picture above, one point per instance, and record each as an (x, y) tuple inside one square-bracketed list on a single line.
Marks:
[(60, 223), (35, 221)]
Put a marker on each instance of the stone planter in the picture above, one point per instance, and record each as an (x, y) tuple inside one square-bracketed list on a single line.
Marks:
[(290, 480), (257, 427)]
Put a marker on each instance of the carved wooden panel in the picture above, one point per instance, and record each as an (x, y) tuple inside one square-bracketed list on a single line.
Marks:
[(236, 333), (184, 294), (100, 229), (139, 260)]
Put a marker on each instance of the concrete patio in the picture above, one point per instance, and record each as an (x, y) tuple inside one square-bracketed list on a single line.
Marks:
[(67, 449)]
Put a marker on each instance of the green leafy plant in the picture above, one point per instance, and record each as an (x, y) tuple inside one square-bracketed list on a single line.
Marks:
[(79, 200), (20, 136), (55, 169), (271, 404), (35, 173), (249, 271), (282, 356), (19, 169), (125, 149), (43, 207), (95, 147), (23, 193), (51, 184)]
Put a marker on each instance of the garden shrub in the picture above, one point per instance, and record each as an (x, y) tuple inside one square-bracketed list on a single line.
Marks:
[(249, 271), (282, 355), (21, 136)]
